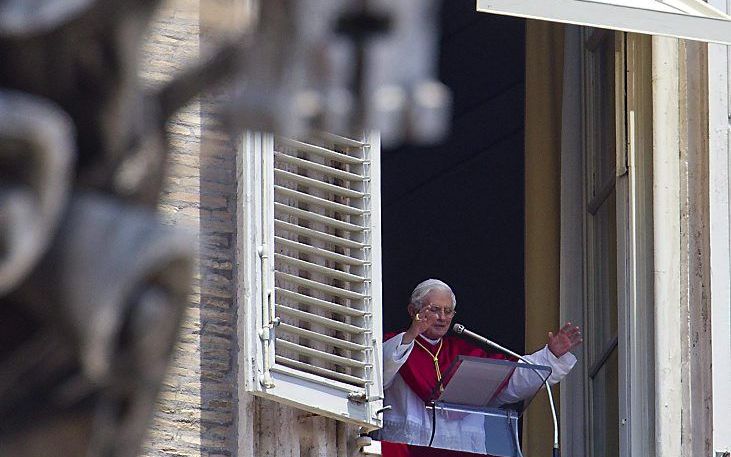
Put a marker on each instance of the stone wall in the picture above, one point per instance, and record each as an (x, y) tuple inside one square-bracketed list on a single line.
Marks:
[(195, 409)]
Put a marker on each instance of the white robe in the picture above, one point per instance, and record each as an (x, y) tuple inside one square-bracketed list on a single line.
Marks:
[(408, 421)]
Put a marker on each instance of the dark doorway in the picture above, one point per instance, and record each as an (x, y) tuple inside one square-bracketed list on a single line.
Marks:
[(455, 211)]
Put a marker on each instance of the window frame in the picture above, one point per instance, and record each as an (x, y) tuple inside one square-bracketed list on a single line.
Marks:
[(634, 244), (599, 192), (637, 311)]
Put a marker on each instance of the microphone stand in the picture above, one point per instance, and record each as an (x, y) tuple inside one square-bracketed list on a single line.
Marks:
[(461, 330)]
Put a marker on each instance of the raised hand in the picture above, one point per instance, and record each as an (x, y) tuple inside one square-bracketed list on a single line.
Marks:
[(567, 338), (421, 321)]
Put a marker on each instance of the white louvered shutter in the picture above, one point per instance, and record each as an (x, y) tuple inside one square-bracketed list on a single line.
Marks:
[(314, 291)]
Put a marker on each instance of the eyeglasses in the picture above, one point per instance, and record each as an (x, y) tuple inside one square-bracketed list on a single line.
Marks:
[(447, 312)]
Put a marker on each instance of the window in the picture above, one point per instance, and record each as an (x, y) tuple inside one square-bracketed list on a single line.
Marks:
[(311, 250), (618, 250)]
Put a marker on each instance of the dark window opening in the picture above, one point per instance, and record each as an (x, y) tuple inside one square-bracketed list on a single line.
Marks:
[(455, 211)]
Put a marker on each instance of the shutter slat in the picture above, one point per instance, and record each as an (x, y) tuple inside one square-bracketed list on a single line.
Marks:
[(326, 356), (304, 214), (327, 204), (323, 304), (312, 233), (316, 183), (309, 334), (296, 364), (319, 150), (313, 267), (324, 253), (332, 290), (324, 169), (341, 140), (321, 320)]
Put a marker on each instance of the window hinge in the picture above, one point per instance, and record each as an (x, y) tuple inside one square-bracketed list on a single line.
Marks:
[(622, 164), (265, 332), (361, 397), (357, 396)]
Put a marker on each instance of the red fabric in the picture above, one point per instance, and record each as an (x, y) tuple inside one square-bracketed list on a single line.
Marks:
[(418, 372), (389, 449)]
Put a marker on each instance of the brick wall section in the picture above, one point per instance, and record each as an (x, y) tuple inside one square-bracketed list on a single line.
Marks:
[(196, 410), (194, 414)]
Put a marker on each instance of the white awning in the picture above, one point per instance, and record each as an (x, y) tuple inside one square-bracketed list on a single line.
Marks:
[(689, 19)]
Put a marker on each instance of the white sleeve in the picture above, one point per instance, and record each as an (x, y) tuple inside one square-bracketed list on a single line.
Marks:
[(524, 382), (394, 355)]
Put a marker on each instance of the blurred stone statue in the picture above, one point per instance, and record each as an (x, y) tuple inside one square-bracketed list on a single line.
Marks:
[(92, 284)]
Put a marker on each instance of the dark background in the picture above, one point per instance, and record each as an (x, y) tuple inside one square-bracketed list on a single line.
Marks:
[(455, 211)]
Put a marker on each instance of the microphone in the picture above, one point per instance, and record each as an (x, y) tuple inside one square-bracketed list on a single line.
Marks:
[(460, 329)]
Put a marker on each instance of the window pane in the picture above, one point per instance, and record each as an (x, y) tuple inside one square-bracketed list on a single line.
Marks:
[(602, 122), (603, 308), (606, 133), (605, 410)]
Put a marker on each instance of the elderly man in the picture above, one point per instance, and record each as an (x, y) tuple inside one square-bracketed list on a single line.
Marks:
[(413, 364)]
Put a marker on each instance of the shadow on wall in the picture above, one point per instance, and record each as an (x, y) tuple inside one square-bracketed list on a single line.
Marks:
[(217, 289)]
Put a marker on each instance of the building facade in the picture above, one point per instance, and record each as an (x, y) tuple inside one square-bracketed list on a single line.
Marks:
[(627, 232)]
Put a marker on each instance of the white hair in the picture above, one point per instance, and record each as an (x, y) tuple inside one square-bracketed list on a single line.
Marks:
[(425, 287)]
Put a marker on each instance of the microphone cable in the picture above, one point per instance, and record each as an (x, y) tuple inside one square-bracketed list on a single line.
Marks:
[(433, 422)]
